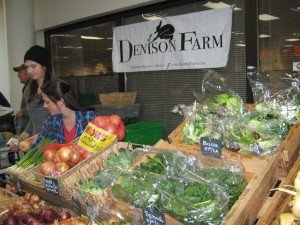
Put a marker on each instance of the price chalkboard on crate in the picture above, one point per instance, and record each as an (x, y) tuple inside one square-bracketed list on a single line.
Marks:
[(211, 147), (76, 206), (51, 186), (153, 217)]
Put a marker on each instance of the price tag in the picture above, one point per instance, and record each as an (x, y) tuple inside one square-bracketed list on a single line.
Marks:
[(51, 186), (153, 217), (7, 178), (76, 206), (211, 147)]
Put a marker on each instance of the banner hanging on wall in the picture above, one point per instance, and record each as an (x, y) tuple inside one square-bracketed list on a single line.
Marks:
[(190, 41)]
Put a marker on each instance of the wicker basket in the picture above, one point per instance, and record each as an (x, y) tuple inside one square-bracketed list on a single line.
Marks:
[(63, 190), (88, 170), (118, 99)]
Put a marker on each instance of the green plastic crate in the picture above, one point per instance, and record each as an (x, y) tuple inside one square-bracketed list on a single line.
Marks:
[(144, 132)]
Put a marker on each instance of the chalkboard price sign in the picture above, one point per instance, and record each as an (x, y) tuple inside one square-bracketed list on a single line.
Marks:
[(19, 186), (211, 147), (51, 186), (153, 217), (76, 206)]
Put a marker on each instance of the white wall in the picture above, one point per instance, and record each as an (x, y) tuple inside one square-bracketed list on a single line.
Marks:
[(22, 24), (51, 13), (4, 81), (20, 37)]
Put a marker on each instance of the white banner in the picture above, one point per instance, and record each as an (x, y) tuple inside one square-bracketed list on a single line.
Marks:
[(190, 41)]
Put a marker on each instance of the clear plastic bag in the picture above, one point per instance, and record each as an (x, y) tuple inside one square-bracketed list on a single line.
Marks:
[(189, 188), (276, 94)]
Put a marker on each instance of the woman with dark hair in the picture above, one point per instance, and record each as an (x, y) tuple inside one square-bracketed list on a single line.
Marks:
[(38, 63), (68, 120)]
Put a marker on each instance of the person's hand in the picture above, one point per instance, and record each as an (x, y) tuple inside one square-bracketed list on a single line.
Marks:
[(18, 115), (32, 139)]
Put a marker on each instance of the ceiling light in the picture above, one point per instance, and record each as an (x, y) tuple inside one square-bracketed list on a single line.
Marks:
[(91, 38), (219, 5), (151, 17), (267, 17), (264, 36), (109, 49), (292, 39), (288, 46), (240, 45), (297, 9)]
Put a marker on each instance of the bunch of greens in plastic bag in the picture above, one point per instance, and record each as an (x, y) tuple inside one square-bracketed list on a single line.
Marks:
[(182, 186), (276, 95)]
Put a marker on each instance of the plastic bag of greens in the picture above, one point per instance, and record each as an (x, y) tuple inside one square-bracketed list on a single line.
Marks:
[(217, 98), (276, 94), (198, 123), (191, 190), (254, 134)]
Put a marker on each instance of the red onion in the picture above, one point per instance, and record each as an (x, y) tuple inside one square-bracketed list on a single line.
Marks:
[(64, 216), (11, 220), (50, 215)]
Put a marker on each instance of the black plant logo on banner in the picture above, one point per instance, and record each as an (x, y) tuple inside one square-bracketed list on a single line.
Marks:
[(163, 32)]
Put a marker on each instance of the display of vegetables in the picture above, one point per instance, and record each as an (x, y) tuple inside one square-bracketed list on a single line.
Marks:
[(44, 216), (31, 159), (59, 158), (112, 124), (169, 181)]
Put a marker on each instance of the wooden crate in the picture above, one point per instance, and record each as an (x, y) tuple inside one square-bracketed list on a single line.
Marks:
[(63, 191), (278, 202), (260, 180), (288, 151)]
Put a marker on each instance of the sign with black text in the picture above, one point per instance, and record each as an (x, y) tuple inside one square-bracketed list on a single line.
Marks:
[(189, 41), (153, 217), (211, 147), (51, 186)]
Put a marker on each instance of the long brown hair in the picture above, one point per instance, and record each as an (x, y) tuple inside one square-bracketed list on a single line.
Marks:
[(57, 89)]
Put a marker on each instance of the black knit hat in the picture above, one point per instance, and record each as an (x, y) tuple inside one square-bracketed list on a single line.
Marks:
[(38, 54)]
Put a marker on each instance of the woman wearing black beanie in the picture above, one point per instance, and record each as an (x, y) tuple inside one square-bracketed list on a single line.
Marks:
[(38, 62)]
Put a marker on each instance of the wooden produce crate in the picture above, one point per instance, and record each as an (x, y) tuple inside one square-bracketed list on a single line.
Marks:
[(6, 196), (243, 212), (88, 170), (277, 202), (260, 179), (288, 151), (62, 189), (118, 99)]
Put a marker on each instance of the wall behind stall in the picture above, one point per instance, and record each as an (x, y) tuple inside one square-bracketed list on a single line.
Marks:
[(4, 84), (51, 13), (20, 37)]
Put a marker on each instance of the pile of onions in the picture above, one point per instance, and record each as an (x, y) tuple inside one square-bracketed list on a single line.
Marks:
[(58, 162)]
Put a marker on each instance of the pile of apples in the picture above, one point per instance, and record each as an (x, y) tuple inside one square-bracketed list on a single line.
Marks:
[(58, 162)]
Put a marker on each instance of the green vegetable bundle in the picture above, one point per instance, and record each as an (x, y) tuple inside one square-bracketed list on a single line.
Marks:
[(170, 181), (31, 158)]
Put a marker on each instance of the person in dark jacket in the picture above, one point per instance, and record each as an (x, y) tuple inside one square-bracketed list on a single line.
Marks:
[(21, 117)]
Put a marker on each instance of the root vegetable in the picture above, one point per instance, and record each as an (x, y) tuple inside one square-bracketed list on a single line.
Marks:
[(287, 219), (295, 202), (25, 146)]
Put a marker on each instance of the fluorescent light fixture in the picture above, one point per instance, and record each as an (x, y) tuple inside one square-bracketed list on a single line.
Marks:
[(267, 17), (219, 5), (151, 17), (70, 47), (91, 38), (109, 38), (297, 9), (109, 49), (264, 36), (240, 45), (288, 46), (292, 39)]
